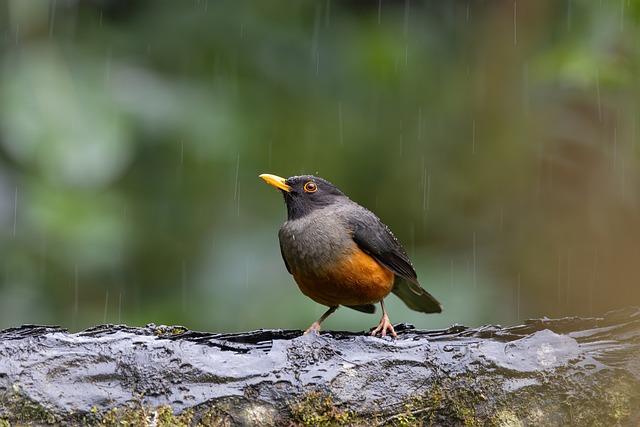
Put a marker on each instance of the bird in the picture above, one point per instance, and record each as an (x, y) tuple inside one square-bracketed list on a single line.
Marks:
[(341, 254)]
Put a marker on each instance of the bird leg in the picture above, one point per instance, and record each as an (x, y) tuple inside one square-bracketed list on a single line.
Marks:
[(384, 325), (315, 326)]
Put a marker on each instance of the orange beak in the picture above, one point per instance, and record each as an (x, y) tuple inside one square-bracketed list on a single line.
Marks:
[(275, 181)]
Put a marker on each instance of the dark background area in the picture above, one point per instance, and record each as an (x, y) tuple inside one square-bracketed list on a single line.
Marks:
[(498, 139)]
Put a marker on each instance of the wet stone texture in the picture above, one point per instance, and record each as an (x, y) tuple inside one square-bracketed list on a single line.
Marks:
[(571, 371)]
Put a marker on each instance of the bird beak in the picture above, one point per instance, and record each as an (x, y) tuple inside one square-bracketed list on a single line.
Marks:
[(276, 181)]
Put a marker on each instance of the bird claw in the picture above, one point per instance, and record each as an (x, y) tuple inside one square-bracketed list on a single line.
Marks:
[(314, 328), (383, 327)]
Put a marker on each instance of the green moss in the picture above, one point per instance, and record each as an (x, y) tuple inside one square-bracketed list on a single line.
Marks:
[(214, 417), (318, 409), (162, 416), (506, 418), (602, 399), (169, 330), (618, 398), (18, 409), (406, 418), (445, 401), (21, 409), (166, 417), (126, 417)]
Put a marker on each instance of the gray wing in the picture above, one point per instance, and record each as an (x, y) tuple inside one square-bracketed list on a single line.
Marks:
[(375, 238), (286, 264)]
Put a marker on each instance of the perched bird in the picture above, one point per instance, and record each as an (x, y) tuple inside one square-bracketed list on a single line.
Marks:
[(340, 253)]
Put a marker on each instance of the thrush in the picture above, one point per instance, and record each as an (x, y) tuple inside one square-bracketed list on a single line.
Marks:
[(340, 253)]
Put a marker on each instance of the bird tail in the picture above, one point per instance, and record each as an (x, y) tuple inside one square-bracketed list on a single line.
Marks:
[(415, 297)]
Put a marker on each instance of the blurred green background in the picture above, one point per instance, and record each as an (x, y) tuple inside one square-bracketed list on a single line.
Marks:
[(498, 139)]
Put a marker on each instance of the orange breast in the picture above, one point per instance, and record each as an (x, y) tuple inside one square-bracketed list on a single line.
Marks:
[(356, 279)]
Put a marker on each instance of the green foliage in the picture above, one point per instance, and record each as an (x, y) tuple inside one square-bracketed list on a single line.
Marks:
[(498, 141)]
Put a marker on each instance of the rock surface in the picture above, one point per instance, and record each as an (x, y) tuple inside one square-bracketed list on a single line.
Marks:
[(570, 371)]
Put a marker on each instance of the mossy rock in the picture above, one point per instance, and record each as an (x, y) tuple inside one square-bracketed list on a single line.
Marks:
[(546, 372)]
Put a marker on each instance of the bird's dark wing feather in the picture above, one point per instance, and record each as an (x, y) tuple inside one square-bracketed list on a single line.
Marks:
[(286, 264), (375, 238)]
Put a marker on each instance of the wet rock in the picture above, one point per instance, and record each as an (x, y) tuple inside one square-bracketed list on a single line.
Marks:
[(571, 371)]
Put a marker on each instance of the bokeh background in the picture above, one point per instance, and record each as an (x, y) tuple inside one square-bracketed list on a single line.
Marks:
[(498, 139)]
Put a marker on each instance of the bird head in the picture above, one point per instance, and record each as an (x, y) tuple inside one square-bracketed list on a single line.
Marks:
[(305, 193)]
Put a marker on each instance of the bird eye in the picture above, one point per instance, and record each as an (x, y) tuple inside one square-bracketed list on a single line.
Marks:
[(310, 187)]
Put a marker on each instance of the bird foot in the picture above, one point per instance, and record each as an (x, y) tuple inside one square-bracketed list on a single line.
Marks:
[(314, 328), (383, 327)]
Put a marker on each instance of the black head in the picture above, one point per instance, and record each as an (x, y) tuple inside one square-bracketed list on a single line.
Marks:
[(305, 193)]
